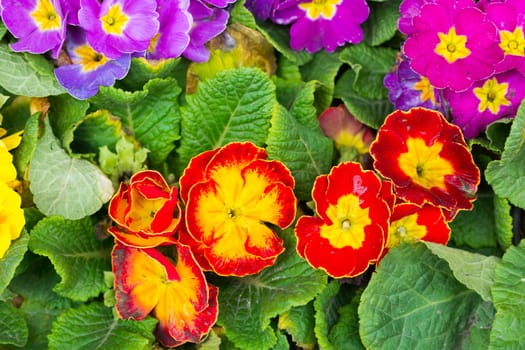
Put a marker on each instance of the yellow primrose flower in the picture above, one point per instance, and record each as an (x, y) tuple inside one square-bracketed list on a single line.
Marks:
[(11, 217), (8, 172)]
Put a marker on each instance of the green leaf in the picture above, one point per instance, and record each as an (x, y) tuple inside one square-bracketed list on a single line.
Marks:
[(13, 327), (479, 327), (61, 185), (507, 176), (95, 326), (151, 115), (508, 329), (235, 105), (497, 133), (299, 323), (240, 14), (279, 37), (503, 222), (78, 257), (142, 70), (476, 228), (27, 75), (40, 305), (96, 130), (413, 301), (65, 113), (371, 112), (326, 306), (475, 271), (297, 140), (344, 335), (12, 258), (370, 65), (24, 152), (248, 303), (381, 25), (322, 68)]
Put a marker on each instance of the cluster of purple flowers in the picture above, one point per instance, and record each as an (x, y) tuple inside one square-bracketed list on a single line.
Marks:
[(100, 37), (463, 58), (315, 24)]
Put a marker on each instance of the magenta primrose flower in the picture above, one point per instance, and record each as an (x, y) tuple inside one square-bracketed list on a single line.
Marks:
[(407, 89), (208, 22), (173, 36), (486, 101), (39, 25), (219, 3), (114, 27), (453, 47), (509, 18), (89, 69), (319, 24)]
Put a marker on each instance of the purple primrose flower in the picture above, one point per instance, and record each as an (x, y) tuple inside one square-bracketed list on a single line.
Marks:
[(114, 27), (173, 36), (407, 89), (208, 22), (39, 25), (89, 69)]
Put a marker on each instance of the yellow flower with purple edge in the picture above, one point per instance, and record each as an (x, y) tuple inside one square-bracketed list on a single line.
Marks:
[(233, 196), (350, 230), (173, 290), (146, 211), (426, 158), (12, 218)]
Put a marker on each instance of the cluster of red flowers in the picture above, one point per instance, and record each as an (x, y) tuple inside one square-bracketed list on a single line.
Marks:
[(230, 196), (423, 175)]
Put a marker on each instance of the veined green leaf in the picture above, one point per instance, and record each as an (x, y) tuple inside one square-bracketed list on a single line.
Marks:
[(381, 25), (61, 185), (151, 115), (296, 139), (247, 304), (475, 271), (507, 176), (65, 112), (78, 257), (12, 258), (503, 222), (14, 328), (95, 326), (508, 329), (413, 301), (299, 323), (234, 105)]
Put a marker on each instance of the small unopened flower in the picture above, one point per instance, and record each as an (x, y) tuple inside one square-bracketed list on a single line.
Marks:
[(146, 211), (426, 158), (89, 69), (171, 289), (12, 218), (116, 27), (351, 137), (410, 223), (350, 230), (452, 47), (39, 25), (487, 101), (233, 197)]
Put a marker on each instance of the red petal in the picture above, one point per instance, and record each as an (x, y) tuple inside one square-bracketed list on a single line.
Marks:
[(119, 205), (139, 241), (194, 172), (233, 155)]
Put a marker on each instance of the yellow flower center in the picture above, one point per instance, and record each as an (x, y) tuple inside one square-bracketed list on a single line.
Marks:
[(424, 165), (405, 229), (46, 16), (153, 42), (320, 8), (427, 90), (451, 46), (512, 43), (89, 58), (348, 223), (115, 20), (355, 141), (492, 96)]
